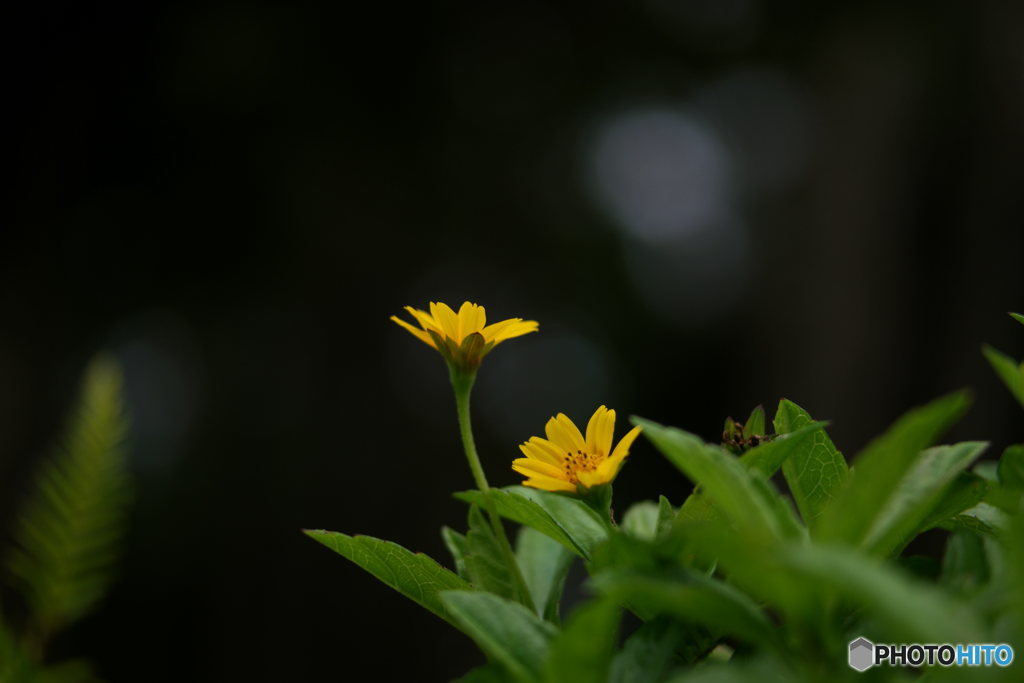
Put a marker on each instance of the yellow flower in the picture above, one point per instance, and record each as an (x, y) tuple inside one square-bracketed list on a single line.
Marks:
[(463, 338), (566, 459)]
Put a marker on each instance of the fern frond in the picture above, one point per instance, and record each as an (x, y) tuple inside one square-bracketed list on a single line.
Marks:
[(68, 535)]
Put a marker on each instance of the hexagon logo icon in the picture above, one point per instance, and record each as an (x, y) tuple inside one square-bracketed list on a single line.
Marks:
[(862, 654)]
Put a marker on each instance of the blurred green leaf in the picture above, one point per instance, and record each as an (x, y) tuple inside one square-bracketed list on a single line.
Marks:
[(754, 426), (762, 670), (544, 563), (567, 520), (906, 610), (15, 666), (919, 492), (506, 631), (1018, 317), (68, 535), (769, 456), (882, 465), (666, 515), (456, 544), (982, 518), (72, 671), (1008, 370), (765, 458), (491, 672), (641, 520), (1011, 468), (414, 575), (658, 647), (721, 477), (484, 560), (582, 652), (964, 565), (692, 597), (966, 491), (814, 470)]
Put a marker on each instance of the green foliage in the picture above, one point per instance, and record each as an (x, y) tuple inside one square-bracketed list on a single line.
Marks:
[(67, 536), (743, 581), (414, 575), (1009, 370), (582, 652), (544, 564), (483, 559), (815, 469), (740, 493), (567, 520), (883, 464), (506, 631)]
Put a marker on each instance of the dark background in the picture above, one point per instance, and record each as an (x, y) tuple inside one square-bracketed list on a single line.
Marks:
[(707, 205)]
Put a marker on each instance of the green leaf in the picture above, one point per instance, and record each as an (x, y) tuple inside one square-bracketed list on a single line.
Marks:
[(1011, 468), (919, 492), (666, 515), (765, 458), (15, 666), (544, 564), (583, 651), (906, 610), (414, 575), (567, 520), (1018, 317), (966, 491), (656, 648), (982, 518), (815, 470), (721, 477), (70, 671), (965, 568), (1008, 370), (484, 560), (456, 544), (506, 631), (739, 672), (641, 520), (882, 465), (754, 426), (68, 536), (692, 597), (488, 673), (769, 456)]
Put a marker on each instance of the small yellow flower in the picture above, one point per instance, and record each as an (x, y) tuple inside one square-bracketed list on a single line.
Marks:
[(463, 338), (566, 459)]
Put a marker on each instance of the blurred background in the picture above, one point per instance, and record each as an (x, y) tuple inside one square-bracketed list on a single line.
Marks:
[(707, 205)]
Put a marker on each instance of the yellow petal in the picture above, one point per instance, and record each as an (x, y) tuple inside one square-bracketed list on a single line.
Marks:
[(599, 432), (539, 449), (419, 334), (531, 468), (622, 449), (467, 316), (517, 329), (607, 470), (493, 329), (425, 320), (447, 319), (564, 434), (550, 484), (594, 477)]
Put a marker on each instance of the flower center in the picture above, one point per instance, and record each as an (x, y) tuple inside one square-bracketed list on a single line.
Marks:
[(580, 461)]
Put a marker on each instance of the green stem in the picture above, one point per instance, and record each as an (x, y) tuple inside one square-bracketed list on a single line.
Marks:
[(462, 383)]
